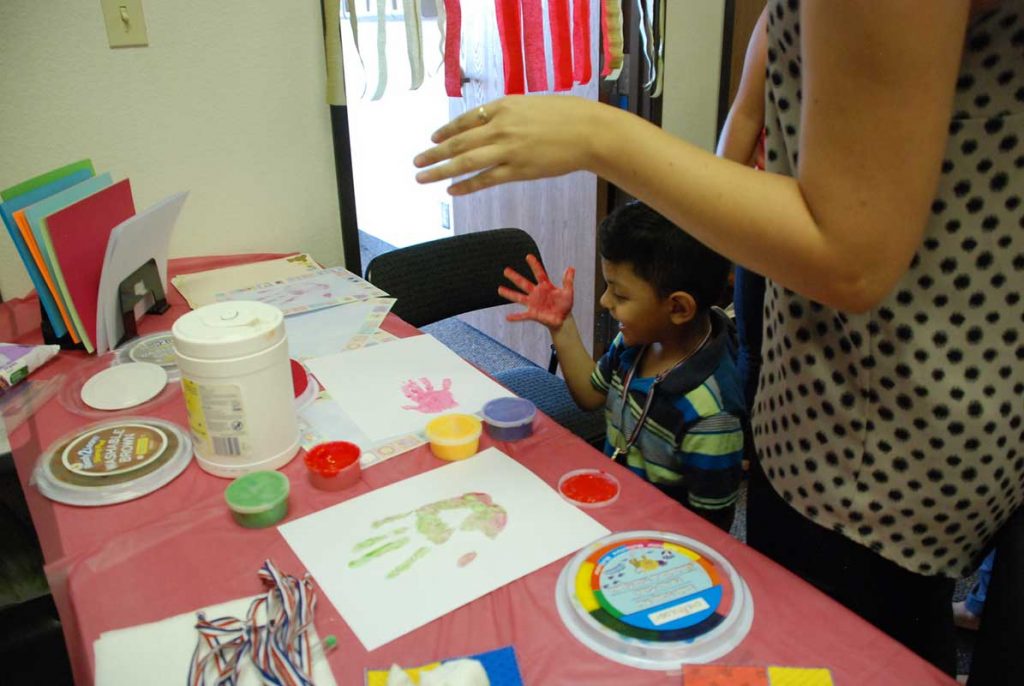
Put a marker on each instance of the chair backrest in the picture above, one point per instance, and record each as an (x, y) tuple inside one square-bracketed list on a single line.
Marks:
[(450, 276)]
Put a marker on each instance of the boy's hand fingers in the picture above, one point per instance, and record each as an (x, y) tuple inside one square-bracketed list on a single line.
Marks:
[(518, 316), (538, 271), (569, 278), (514, 296), (519, 280)]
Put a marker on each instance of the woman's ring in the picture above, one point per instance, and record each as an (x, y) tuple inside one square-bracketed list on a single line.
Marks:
[(481, 114)]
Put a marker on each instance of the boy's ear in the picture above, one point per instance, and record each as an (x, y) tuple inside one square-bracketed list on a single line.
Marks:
[(682, 307)]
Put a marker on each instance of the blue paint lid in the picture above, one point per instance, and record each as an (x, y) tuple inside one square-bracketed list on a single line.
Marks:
[(509, 412)]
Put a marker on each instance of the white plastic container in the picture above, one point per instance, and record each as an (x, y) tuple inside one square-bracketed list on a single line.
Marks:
[(237, 381)]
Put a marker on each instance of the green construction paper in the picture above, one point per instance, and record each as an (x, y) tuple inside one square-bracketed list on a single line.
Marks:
[(36, 216), (43, 179)]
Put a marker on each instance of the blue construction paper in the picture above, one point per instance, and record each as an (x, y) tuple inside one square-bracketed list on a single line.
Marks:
[(7, 210), (501, 666)]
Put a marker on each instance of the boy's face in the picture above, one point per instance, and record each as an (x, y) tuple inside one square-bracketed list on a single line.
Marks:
[(643, 316)]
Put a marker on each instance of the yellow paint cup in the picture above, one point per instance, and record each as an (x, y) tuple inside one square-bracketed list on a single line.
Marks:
[(454, 436)]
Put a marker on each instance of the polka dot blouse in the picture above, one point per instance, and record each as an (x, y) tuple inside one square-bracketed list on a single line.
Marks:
[(901, 428)]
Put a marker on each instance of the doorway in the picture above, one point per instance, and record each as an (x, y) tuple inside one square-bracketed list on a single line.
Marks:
[(392, 210)]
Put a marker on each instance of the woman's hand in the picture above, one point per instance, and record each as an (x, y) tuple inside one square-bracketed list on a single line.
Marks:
[(545, 302), (513, 139)]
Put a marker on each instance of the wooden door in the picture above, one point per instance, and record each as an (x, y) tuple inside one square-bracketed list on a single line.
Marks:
[(560, 214), (744, 18)]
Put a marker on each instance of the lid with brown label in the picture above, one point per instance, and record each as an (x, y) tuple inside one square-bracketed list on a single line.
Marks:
[(113, 461)]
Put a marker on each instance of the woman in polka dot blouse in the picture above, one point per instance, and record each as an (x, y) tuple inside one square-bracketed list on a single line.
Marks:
[(891, 232)]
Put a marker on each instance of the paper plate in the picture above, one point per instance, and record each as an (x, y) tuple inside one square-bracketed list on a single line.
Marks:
[(156, 348), (654, 600), (70, 394), (124, 386), (112, 461)]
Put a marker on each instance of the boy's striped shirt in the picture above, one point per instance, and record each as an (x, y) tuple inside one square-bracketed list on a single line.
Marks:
[(691, 444)]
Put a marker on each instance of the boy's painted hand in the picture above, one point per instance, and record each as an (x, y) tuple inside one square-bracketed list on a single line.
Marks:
[(545, 302)]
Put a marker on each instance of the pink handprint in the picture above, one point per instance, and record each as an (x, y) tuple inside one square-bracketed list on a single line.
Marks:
[(429, 400)]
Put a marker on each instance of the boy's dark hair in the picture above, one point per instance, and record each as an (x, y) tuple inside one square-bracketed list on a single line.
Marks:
[(663, 255)]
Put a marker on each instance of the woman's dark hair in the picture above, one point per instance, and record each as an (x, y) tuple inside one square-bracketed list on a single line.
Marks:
[(662, 254)]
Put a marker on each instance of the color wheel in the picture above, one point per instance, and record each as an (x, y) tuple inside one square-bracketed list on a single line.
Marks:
[(654, 600)]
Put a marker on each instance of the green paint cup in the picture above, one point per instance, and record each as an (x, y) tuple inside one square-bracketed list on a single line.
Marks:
[(258, 499)]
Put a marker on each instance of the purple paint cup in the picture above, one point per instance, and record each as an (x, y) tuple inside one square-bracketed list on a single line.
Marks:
[(509, 419)]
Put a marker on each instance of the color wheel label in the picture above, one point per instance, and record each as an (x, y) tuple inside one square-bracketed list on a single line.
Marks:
[(651, 589)]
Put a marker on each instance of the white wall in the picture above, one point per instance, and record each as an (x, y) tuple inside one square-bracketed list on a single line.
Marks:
[(227, 102), (693, 58)]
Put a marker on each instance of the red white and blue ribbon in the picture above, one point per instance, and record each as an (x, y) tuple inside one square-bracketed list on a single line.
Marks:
[(278, 646)]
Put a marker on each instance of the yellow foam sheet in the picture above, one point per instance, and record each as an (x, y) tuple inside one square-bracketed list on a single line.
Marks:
[(379, 677), (799, 676)]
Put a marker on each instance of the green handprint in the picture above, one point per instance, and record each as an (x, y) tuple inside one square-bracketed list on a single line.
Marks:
[(483, 516)]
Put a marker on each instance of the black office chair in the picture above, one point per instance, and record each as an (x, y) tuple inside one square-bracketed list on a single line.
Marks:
[(451, 276)]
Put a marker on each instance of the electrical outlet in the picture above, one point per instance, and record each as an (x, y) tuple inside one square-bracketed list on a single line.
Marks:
[(446, 215), (126, 27)]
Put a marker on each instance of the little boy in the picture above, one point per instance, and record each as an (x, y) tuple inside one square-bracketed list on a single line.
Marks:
[(681, 428)]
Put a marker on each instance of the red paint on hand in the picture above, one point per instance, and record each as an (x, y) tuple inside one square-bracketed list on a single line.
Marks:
[(545, 302)]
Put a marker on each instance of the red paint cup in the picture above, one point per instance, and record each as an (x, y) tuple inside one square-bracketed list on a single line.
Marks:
[(333, 466), (589, 488)]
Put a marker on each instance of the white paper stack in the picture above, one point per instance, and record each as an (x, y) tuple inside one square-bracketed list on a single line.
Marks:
[(160, 653), (132, 243)]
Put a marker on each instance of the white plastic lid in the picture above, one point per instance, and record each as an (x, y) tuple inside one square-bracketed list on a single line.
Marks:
[(229, 329), (124, 385)]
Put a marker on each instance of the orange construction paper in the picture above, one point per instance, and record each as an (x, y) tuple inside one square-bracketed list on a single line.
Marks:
[(30, 240)]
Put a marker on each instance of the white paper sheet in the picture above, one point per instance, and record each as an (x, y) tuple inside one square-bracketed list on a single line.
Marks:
[(397, 388), (323, 420), (540, 527), (159, 653), (309, 292), (314, 334), (199, 288), (132, 243)]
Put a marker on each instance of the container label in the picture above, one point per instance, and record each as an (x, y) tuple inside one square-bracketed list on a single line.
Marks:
[(114, 450), (217, 417), (681, 610), (156, 350)]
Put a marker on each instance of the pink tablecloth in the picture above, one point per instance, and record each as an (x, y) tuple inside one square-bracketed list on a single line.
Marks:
[(178, 549)]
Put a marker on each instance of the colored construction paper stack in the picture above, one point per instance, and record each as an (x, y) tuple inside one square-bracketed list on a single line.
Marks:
[(72, 228)]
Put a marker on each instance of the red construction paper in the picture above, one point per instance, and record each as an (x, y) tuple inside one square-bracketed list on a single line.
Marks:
[(718, 675), (606, 43), (452, 48), (581, 68), (79, 235), (510, 33), (561, 43), (533, 46)]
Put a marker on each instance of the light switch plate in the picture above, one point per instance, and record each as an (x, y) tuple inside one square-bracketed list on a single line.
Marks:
[(126, 27)]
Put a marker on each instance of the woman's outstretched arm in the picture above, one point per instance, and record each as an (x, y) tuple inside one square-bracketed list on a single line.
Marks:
[(878, 84)]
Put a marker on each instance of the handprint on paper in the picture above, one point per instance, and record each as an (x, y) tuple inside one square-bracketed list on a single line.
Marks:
[(429, 400), (482, 515), (545, 302), (291, 293)]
